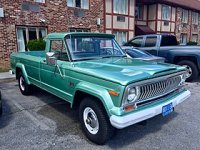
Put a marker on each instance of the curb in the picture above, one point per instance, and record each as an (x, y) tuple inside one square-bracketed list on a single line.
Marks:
[(7, 77)]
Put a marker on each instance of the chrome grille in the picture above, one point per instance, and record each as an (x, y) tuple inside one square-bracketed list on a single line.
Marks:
[(157, 89)]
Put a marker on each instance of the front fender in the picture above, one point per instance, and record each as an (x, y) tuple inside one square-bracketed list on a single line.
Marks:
[(99, 92), (22, 67)]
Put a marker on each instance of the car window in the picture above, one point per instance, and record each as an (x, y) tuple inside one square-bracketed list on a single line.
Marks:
[(58, 47), (169, 41), (151, 41), (137, 42), (92, 47)]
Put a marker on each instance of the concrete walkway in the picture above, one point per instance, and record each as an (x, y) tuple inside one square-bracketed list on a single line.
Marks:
[(4, 76)]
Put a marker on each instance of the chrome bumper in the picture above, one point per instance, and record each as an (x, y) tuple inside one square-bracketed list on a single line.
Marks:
[(125, 121)]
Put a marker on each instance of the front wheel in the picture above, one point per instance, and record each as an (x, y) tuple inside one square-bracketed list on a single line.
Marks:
[(191, 68), (23, 86), (94, 121)]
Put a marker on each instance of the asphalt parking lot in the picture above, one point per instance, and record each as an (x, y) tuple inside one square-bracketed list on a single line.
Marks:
[(43, 121)]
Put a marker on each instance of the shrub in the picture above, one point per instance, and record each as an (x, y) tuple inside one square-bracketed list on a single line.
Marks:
[(36, 45), (191, 43)]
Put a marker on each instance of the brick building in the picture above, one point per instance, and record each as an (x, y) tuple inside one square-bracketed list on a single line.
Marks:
[(24, 20), (179, 17)]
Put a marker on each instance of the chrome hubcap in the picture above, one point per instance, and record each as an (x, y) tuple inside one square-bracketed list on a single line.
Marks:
[(189, 70), (91, 120), (22, 83)]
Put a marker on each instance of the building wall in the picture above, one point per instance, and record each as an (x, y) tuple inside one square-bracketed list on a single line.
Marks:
[(175, 26), (152, 16), (162, 27), (58, 17), (112, 24), (187, 28), (143, 20)]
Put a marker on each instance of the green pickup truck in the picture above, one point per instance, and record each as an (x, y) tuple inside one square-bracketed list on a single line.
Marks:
[(92, 73)]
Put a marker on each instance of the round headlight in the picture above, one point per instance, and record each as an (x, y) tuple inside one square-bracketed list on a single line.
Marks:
[(131, 95), (184, 76)]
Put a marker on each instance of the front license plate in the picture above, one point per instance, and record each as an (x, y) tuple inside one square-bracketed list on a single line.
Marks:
[(167, 109)]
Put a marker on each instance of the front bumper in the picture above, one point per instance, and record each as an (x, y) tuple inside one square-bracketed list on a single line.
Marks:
[(125, 121)]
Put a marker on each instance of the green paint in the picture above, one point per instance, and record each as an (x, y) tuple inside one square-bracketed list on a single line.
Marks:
[(94, 77)]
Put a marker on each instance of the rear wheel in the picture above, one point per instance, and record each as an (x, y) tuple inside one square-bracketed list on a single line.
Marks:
[(94, 121), (191, 68), (23, 86)]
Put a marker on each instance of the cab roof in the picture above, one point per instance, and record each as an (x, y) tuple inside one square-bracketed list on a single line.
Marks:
[(64, 34)]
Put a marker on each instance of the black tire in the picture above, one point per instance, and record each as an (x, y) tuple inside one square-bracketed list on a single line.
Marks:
[(105, 130), (1, 109), (23, 86), (194, 70)]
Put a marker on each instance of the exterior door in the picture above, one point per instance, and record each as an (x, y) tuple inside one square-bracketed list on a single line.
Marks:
[(55, 78), (150, 45)]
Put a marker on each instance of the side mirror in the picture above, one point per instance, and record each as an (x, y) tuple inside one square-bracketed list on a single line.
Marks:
[(51, 59)]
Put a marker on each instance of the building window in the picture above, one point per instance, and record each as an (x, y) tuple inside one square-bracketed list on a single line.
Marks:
[(195, 18), (183, 39), (78, 3), (166, 12), (25, 34), (139, 12), (121, 37), (195, 38), (79, 30), (40, 1), (184, 16), (120, 6)]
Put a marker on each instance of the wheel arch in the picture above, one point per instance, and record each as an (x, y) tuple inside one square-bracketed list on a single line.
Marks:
[(99, 94), (177, 59), (21, 69)]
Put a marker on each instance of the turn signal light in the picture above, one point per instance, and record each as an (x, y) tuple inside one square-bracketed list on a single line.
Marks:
[(113, 93), (129, 108)]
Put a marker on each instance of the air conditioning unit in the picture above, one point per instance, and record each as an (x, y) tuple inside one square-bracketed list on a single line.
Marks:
[(1, 12)]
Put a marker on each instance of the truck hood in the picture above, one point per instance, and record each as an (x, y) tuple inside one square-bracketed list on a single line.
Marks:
[(124, 70)]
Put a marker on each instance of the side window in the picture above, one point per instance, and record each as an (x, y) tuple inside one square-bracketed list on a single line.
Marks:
[(58, 47), (150, 41), (137, 42), (168, 41)]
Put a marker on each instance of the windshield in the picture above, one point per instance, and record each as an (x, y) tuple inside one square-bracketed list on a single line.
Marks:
[(82, 48)]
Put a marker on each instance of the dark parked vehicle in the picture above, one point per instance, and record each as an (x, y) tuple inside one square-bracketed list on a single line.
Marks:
[(166, 46), (143, 55), (0, 104)]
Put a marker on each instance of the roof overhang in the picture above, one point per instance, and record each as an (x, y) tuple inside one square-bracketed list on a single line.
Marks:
[(142, 30), (187, 4)]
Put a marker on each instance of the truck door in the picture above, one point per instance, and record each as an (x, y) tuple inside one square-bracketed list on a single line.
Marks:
[(150, 45), (55, 78)]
